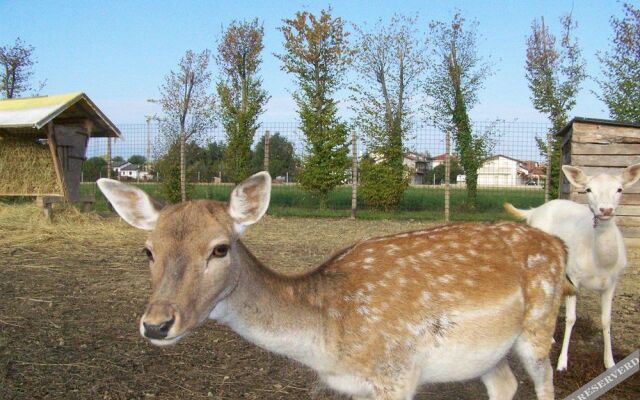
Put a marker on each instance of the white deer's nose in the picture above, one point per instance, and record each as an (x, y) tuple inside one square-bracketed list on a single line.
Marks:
[(606, 211)]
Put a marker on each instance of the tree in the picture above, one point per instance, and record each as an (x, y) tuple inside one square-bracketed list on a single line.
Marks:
[(93, 169), (621, 68), (555, 74), (137, 160), (242, 98), (437, 173), (455, 76), (389, 60), (282, 157), (318, 54), (16, 69), (187, 107), (117, 159)]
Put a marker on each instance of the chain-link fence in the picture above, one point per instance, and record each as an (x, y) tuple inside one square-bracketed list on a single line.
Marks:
[(514, 166)]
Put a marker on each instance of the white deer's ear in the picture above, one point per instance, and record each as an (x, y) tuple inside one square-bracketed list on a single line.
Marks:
[(630, 175), (249, 200), (575, 176), (131, 203)]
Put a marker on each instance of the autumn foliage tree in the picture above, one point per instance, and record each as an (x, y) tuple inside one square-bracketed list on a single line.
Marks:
[(242, 98), (317, 54), (621, 68), (389, 61), (555, 72)]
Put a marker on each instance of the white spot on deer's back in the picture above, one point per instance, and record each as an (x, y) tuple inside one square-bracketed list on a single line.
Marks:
[(426, 254), (536, 260), (546, 287), (446, 278)]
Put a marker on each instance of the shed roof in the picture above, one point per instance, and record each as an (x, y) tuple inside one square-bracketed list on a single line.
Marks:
[(30, 114), (596, 121)]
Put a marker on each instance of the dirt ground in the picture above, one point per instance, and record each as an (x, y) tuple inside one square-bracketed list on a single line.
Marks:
[(71, 294)]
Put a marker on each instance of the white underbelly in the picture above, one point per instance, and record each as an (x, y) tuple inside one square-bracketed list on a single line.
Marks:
[(457, 362)]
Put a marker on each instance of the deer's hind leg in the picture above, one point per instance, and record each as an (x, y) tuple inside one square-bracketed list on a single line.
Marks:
[(500, 382)]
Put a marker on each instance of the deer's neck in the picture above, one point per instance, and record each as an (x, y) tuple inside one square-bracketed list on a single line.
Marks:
[(281, 314), (608, 242)]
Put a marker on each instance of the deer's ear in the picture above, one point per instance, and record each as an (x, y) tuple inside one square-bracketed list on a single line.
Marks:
[(575, 176), (131, 203), (249, 200), (630, 175)]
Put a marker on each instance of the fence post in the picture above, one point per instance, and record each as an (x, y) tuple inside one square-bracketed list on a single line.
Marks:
[(447, 172), (354, 175), (548, 179), (266, 151), (109, 165)]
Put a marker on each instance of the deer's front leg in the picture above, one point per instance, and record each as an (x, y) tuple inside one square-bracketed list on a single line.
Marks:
[(606, 300)]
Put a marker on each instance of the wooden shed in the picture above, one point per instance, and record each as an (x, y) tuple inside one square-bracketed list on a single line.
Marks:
[(43, 142), (604, 146)]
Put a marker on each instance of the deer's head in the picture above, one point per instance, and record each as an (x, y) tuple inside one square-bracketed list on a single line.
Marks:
[(192, 250), (603, 190)]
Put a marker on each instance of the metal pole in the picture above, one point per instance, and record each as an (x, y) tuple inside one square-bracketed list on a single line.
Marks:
[(354, 175), (266, 151), (447, 172), (148, 149)]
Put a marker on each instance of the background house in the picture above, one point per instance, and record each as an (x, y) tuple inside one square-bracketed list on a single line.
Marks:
[(419, 164), (500, 170)]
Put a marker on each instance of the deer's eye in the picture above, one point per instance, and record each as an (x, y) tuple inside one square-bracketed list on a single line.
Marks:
[(220, 251), (619, 190), (588, 190), (149, 254)]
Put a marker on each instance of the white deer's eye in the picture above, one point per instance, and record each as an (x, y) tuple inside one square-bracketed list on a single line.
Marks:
[(619, 190), (588, 190)]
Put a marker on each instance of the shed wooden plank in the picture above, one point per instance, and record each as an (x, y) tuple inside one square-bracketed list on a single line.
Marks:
[(605, 149), (605, 160), (628, 220), (595, 133), (630, 231), (628, 210)]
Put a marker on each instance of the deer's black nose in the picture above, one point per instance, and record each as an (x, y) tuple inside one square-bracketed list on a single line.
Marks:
[(158, 331)]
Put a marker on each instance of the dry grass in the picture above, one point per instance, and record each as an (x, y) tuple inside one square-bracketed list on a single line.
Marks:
[(26, 167), (73, 290)]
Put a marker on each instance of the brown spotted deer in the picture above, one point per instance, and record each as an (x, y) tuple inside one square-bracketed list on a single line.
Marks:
[(596, 252), (377, 318)]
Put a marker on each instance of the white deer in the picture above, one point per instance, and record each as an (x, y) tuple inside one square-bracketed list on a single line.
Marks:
[(597, 254), (376, 319)]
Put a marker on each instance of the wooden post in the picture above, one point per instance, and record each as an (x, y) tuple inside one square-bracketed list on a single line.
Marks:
[(109, 164), (548, 182), (266, 150), (354, 175), (53, 148), (447, 172)]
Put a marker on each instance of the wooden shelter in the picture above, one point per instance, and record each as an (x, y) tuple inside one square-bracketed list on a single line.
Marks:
[(604, 146), (43, 142)]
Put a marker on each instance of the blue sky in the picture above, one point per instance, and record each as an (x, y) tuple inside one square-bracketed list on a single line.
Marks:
[(119, 51)]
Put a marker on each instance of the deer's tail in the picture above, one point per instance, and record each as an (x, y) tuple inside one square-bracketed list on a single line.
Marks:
[(516, 212)]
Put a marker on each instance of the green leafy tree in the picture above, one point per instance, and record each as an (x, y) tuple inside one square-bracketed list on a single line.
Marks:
[(389, 61), (318, 54), (282, 157), (16, 70), (93, 169), (621, 68), (456, 74), (242, 98), (117, 159), (555, 73), (137, 160), (187, 107), (436, 174)]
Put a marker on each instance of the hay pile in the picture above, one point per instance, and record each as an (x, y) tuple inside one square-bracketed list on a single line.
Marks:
[(26, 168)]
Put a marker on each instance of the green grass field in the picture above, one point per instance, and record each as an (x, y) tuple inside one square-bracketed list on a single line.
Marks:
[(424, 203)]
